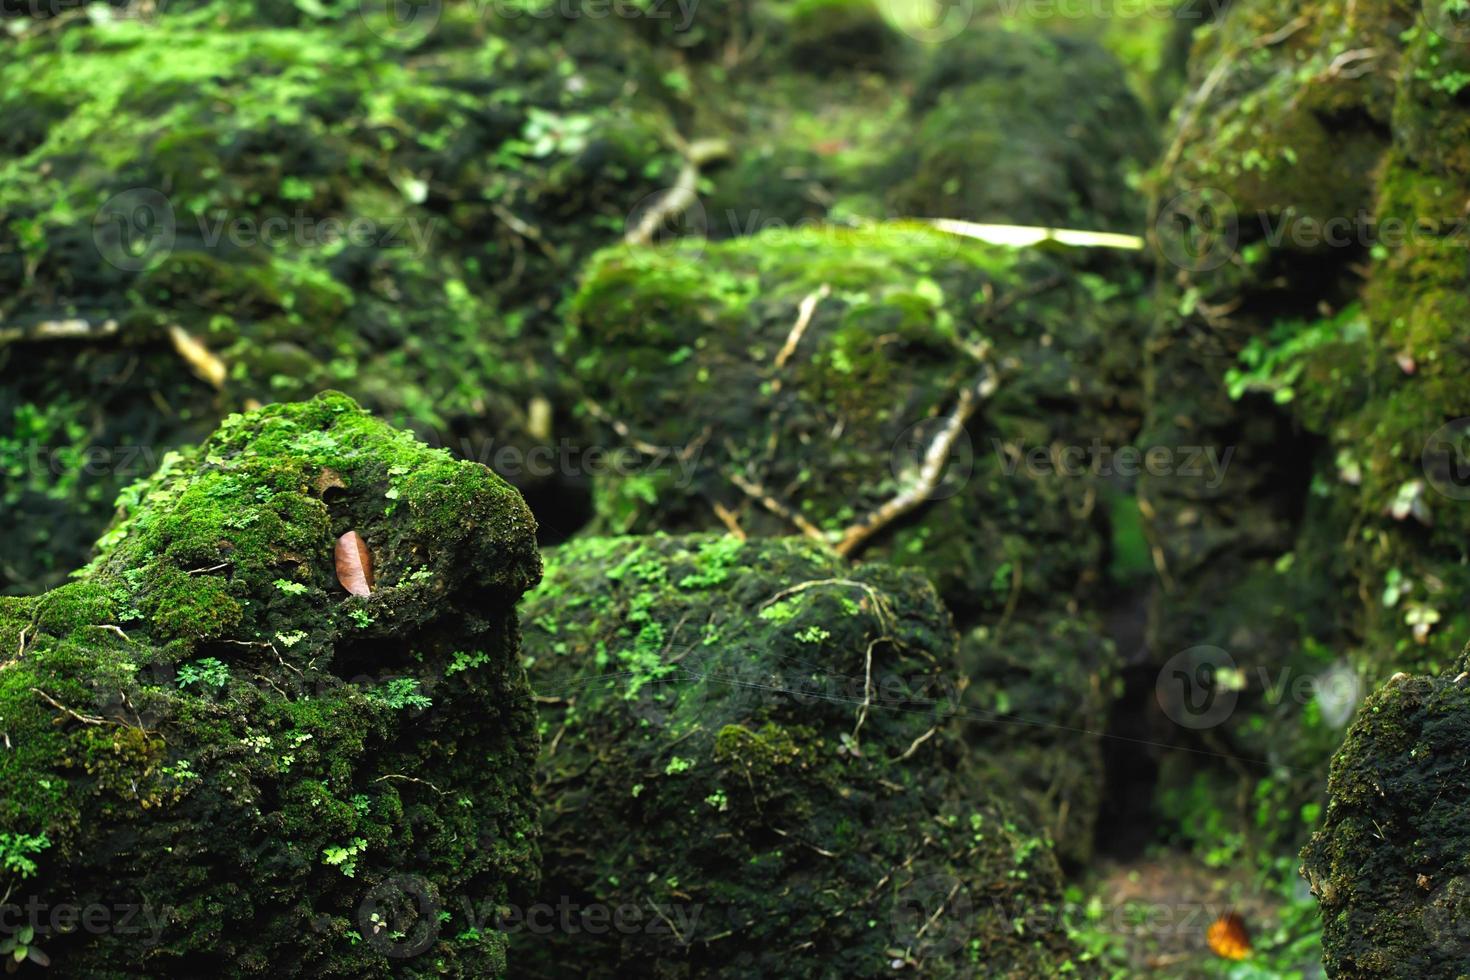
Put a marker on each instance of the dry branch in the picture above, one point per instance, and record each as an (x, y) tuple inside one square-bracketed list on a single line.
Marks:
[(930, 472)]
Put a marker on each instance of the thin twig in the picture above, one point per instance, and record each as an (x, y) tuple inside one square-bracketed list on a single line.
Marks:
[(682, 195), (760, 494), (727, 517), (410, 779), (803, 320), (867, 687), (621, 428), (930, 472), (84, 719), (914, 745), (205, 363), (59, 330), (525, 230)]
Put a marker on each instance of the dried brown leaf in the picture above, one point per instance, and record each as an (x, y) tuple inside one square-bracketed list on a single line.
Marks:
[(354, 564)]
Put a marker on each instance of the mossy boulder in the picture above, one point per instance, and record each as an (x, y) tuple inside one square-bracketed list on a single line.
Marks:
[(1317, 177), (1391, 864), (732, 414), (283, 777), (793, 380), (388, 212), (1023, 127), (1306, 261), (751, 768), (1273, 141), (1039, 691)]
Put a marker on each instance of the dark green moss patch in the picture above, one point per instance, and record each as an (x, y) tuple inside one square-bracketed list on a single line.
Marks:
[(207, 727), (755, 739), (1391, 864)]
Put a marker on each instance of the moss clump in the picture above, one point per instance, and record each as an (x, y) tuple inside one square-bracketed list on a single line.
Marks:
[(750, 745), (1023, 128), (1391, 864), (283, 777), (687, 349), (1015, 535), (1039, 694), (388, 213)]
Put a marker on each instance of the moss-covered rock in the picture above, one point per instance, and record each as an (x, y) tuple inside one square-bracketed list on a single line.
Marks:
[(1391, 864), (284, 778), (1023, 128), (1271, 142), (772, 428), (202, 210), (393, 208), (1311, 208), (818, 366), (1318, 166), (751, 768)]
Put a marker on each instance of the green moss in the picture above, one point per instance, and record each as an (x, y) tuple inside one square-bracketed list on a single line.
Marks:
[(1023, 128), (769, 801), (661, 337), (190, 737), (392, 216), (1389, 866)]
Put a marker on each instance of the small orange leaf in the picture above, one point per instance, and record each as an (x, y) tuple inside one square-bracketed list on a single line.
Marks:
[(354, 564), (1228, 938)]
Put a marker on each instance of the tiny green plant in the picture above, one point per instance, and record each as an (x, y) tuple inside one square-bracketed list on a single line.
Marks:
[(344, 857), (461, 661), (17, 850), (20, 947), (401, 692), (208, 671)]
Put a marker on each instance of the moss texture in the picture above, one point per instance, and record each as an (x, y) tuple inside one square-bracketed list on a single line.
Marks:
[(206, 725), (395, 210), (708, 759), (1310, 271), (389, 212), (1017, 535), (1270, 143), (680, 346), (1023, 128), (1391, 864)]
